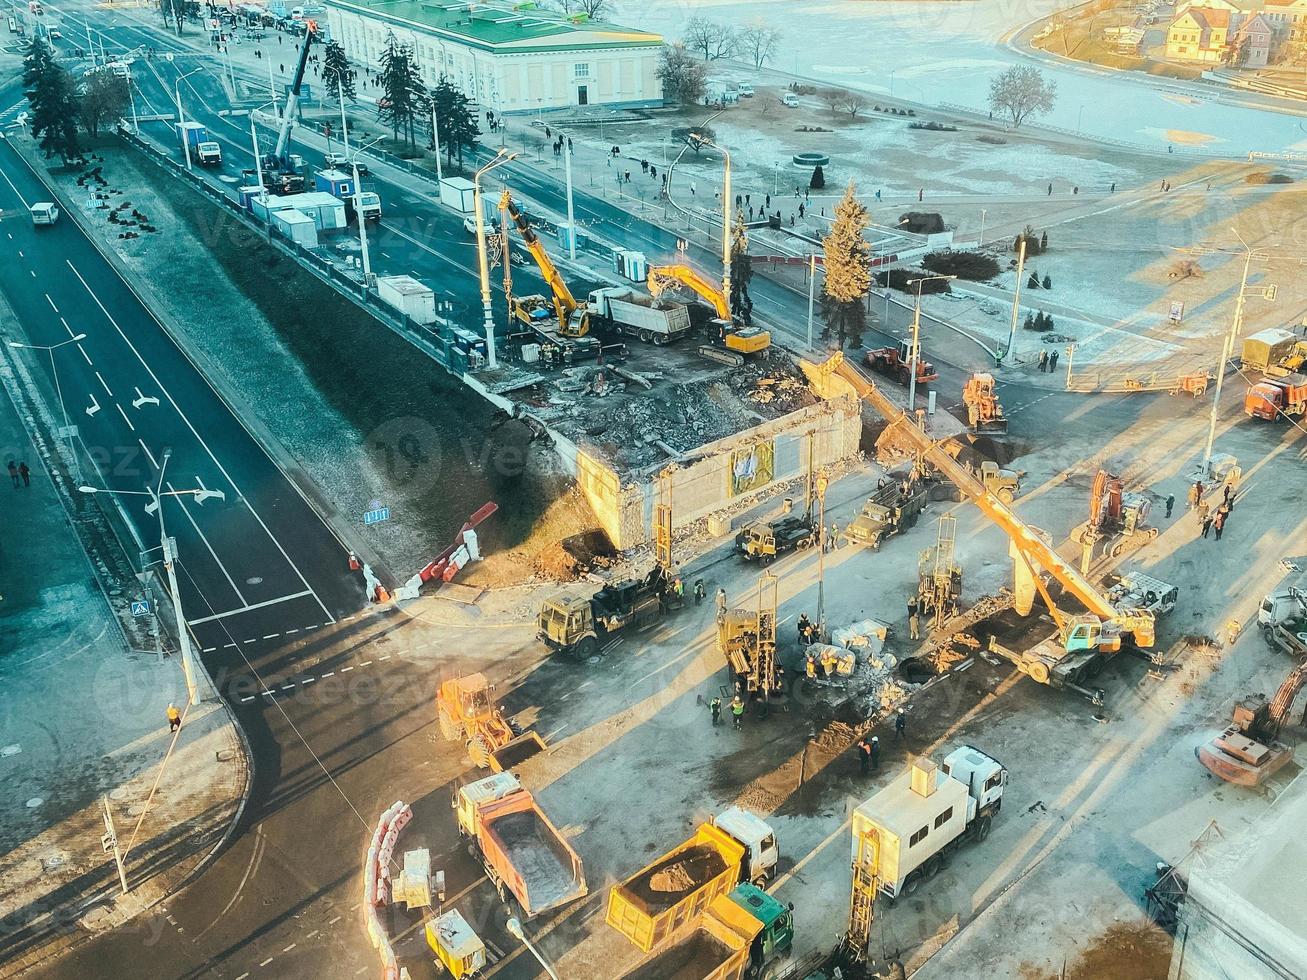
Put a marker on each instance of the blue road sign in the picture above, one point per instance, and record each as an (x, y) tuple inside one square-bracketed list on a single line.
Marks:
[(140, 607), (376, 516)]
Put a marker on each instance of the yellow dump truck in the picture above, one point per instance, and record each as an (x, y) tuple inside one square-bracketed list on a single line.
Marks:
[(666, 895), (716, 947)]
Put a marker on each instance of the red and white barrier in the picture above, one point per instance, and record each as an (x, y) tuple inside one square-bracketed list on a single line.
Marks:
[(376, 881)]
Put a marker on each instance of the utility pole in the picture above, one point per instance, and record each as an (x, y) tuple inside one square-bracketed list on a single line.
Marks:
[(571, 215), (812, 284), (435, 139), (109, 842), (1016, 297)]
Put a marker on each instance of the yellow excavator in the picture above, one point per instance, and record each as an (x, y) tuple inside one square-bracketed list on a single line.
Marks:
[(535, 311), (735, 337), (1083, 641)]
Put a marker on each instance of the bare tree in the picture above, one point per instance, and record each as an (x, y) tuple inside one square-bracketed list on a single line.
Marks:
[(1021, 91), (833, 97), (759, 44), (853, 103), (594, 9), (711, 39), (684, 77)]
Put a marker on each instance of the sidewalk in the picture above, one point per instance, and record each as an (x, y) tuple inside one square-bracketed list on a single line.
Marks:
[(84, 720)]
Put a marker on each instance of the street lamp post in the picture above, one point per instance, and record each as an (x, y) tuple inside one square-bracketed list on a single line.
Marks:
[(500, 158), (812, 285), (358, 212), (181, 115), (514, 926), (915, 352), (54, 370), (169, 547), (983, 212), (571, 214)]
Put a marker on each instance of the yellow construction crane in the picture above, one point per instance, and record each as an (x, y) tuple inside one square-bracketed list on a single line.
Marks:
[(1100, 629), (573, 317), (743, 340)]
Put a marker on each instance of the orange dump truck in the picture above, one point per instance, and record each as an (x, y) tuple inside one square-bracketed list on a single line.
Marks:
[(665, 896), (1272, 397), (523, 853), (716, 947)]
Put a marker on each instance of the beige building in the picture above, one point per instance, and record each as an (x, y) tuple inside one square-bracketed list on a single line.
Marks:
[(1219, 35), (506, 58)]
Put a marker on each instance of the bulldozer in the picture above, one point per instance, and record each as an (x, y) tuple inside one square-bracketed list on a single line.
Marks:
[(984, 413), (466, 711)]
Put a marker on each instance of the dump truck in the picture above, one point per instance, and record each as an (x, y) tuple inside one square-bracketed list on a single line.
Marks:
[(523, 853), (767, 540), (894, 363), (890, 510), (1272, 398), (626, 311), (915, 823), (1263, 350), (663, 897), (740, 935), (465, 711), (575, 625)]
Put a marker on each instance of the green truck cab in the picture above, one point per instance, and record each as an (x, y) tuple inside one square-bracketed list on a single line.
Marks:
[(777, 935)]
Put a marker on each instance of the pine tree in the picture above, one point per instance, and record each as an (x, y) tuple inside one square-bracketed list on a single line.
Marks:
[(818, 180), (741, 265), (405, 94), (1048, 282), (53, 98), (1032, 282), (1043, 242), (848, 271), (1029, 322), (459, 130), (337, 75)]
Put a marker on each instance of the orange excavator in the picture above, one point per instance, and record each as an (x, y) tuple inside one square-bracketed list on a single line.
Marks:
[(1083, 641), (1117, 520), (1249, 750), (736, 338)]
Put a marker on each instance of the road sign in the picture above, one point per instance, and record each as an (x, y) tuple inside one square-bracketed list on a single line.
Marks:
[(376, 515), (1177, 310), (140, 607)]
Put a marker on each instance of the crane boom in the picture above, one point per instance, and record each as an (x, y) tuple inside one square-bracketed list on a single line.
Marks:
[(565, 304), (660, 276), (1031, 546), (292, 102)]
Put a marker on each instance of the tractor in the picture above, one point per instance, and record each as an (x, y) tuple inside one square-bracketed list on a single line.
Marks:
[(466, 711)]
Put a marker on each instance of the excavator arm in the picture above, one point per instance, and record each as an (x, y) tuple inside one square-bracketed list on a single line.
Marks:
[(1278, 710), (1031, 546), (565, 303), (663, 276)]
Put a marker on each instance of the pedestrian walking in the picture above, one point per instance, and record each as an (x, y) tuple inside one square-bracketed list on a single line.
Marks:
[(1043, 361), (914, 623), (628, 176), (1113, 190), (921, 193), (691, 187), (796, 191), (699, 591), (864, 755), (653, 173), (25, 473), (875, 753), (1170, 503), (900, 723), (1219, 524), (833, 537), (1075, 190), (1050, 190), (1196, 493), (800, 210), (739, 201), (1207, 524), (174, 718), (746, 198), (791, 219), (1225, 494), (767, 202), (721, 604), (715, 706), (1052, 361), (805, 194), (13, 473), (1202, 510), (737, 712), (878, 195), (1224, 510)]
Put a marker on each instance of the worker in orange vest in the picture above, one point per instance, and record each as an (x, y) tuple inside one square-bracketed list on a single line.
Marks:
[(174, 718)]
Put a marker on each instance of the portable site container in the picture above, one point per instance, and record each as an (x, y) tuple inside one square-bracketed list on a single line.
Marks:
[(414, 299), (458, 193), (296, 226)]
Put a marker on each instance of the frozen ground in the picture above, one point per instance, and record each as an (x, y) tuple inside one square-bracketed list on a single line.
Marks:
[(947, 52)]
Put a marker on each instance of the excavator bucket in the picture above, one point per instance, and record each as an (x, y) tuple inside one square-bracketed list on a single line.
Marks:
[(527, 745)]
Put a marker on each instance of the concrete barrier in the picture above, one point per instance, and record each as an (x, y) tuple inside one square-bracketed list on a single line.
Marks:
[(376, 881)]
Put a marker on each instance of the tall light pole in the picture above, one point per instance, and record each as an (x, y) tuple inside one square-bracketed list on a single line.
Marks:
[(983, 212), (571, 215), (915, 352), (514, 926), (1016, 298), (54, 370), (819, 485), (500, 158), (358, 214), (169, 548), (812, 285), (181, 115), (726, 214), (435, 141)]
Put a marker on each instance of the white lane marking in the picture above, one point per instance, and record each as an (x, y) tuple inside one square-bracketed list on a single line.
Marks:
[(218, 561), (107, 390), (149, 454), (245, 609), (51, 302), (346, 670), (141, 399), (366, 663), (227, 476), (386, 657), (266, 962), (247, 700), (307, 680), (289, 948), (32, 272), (271, 636), (330, 673), (93, 407), (289, 632), (124, 415), (85, 355), (312, 934), (334, 921), (289, 687), (15, 190)]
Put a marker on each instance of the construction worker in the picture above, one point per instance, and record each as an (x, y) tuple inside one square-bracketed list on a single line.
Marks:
[(810, 666), (804, 626), (1170, 503), (678, 587), (864, 755), (699, 591), (715, 706), (914, 622), (174, 718), (900, 723), (875, 753), (737, 711), (721, 604)]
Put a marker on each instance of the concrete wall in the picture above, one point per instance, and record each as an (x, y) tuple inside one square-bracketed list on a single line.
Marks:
[(701, 484)]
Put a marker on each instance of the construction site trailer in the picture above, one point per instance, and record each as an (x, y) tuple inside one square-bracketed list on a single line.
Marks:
[(414, 299), (296, 226), (458, 193)]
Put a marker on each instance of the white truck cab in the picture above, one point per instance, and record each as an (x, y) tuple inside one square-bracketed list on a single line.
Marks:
[(761, 852), (984, 777), (44, 213), (744, 89), (209, 151), (1282, 605)]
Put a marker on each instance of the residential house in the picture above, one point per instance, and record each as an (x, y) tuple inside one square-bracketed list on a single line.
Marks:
[(1218, 35), (1253, 42), (1288, 18)]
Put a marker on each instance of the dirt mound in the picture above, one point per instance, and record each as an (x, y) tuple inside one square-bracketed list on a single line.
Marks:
[(675, 877), (569, 559)]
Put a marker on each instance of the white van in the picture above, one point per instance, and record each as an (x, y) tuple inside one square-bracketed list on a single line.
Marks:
[(790, 99), (745, 90), (44, 213)]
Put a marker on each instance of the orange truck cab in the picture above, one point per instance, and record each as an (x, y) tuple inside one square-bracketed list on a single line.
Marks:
[(1271, 397)]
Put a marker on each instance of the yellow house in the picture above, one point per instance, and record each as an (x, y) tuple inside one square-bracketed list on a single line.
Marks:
[(1199, 34)]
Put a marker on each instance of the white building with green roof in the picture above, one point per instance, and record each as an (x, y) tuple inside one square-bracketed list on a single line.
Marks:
[(509, 58)]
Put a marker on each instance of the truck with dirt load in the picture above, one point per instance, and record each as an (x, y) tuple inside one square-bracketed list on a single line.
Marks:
[(524, 855), (626, 311), (889, 511), (765, 541), (744, 934), (664, 897), (915, 823), (1272, 398), (577, 625)]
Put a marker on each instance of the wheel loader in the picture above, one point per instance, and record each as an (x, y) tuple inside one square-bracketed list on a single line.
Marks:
[(467, 711)]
